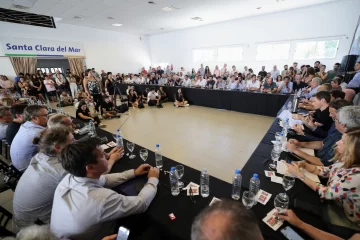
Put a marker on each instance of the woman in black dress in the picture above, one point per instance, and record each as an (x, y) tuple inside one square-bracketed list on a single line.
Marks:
[(133, 98), (37, 87), (83, 113), (180, 100)]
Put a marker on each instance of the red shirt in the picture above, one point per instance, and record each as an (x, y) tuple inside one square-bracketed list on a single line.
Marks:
[(144, 71)]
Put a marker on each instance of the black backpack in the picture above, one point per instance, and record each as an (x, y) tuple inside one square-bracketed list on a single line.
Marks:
[(122, 108)]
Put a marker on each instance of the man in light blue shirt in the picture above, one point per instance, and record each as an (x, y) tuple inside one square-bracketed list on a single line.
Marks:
[(315, 84), (233, 84), (355, 82), (22, 148), (202, 70), (286, 86), (274, 73)]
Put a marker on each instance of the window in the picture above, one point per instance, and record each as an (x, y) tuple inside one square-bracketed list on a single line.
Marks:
[(316, 49), (204, 55), (229, 54), (52, 70), (267, 52)]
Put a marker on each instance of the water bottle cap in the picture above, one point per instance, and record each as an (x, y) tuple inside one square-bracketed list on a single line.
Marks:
[(237, 171), (287, 120), (157, 145), (172, 169), (281, 134), (255, 175), (118, 130), (204, 170)]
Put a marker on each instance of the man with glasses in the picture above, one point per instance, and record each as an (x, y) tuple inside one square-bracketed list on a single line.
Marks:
[(22, 148)]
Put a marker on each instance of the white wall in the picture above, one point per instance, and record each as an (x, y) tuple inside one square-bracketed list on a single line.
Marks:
[(108, 50), (321, 21)]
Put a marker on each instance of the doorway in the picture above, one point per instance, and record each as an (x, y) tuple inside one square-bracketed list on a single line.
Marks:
[(51, 65)]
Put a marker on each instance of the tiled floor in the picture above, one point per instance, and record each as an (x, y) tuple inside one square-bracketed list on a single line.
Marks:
[(218, 140)]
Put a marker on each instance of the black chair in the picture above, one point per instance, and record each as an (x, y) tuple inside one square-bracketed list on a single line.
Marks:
[(5, 217)]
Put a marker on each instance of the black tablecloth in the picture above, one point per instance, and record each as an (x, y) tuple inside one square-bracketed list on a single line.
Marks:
[(247, 102)]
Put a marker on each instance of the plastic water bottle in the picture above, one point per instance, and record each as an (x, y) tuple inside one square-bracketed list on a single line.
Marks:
[(158, 157), (236, 189), (204, 183), (174, 182), (118, 138), (254, 184), (92, 131)]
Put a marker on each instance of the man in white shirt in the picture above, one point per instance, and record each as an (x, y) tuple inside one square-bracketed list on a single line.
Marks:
[(224, 70), (187, 81), (153, 98), (84, 206), (200, 83), (274, 73), (254, 84), (233, 84)]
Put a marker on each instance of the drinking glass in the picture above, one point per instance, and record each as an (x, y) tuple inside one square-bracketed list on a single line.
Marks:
[(289, 106), (144, 154), (248, 199), (281, 203), (179, 169), (275, 155), (278, 136), (131, 147), (288, 182)]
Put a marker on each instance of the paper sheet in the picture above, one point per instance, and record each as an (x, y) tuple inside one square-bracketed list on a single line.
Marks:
[(308, 151), (287, 114)]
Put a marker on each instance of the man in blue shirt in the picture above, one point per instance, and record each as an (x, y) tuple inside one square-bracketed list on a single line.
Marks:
[(355, 82), (315, 83), (346, 118), (22, 149), (202, 70), (286, 86)]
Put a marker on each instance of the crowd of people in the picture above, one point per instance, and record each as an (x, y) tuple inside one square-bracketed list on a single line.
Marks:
[(66, 183)]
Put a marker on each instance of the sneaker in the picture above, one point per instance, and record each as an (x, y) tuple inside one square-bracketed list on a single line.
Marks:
[(186, 105), (101, 125)]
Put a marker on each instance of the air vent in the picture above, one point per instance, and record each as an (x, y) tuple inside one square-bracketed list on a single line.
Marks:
[(19, 7), (12, 16), (197, 18)]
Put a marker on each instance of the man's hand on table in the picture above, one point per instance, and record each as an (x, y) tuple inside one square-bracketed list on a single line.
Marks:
[(153, 172), (115, 154), (298, 128), (142, 169)]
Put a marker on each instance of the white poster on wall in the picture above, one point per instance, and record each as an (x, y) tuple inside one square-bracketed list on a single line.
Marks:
[(29, 47)]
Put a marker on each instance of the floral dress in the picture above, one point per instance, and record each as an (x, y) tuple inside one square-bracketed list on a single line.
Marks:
[(343, 186)]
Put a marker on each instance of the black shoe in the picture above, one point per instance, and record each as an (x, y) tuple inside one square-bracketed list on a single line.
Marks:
[(161, 105), (158, 106)]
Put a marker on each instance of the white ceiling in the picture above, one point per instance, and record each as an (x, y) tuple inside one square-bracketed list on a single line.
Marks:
[(139, 17)]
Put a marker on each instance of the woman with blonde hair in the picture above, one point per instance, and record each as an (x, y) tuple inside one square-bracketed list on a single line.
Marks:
[(217, 71), (343, 186)]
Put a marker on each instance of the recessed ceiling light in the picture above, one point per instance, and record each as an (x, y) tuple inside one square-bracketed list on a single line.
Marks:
[(111, 18), (151, 2), (162, 28), (169, 9), (258, 8), (197, 18), (79, 17), (117, 24)]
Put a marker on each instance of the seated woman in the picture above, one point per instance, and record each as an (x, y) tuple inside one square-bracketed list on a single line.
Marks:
[(163, 95), (108, 109), (65, 99), (133, 98), (180, 100), (145, 95), (83, 113), (343, 186), (80, 95), (25, 88), (37, 87)]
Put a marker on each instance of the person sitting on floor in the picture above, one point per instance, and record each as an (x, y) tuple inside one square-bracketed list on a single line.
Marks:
[(180, 100), (80, 95), (346, 119), (343, 184), (5, 120), (17, 112), (133, 98), (108, 108), (153, 99), (144, 95), (65, 100), (22, 148), (228, 220), (83, 113), (85, 206), (162, 94)]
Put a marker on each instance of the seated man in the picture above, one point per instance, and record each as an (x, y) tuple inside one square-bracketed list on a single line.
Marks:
[(162, 94), (286, 86), (355, 82), (210, 82), (17, 112), (144, 95), (60, 121), (65, 99), (220, 83), (187, 81), (346, 119), (5, 121), (153, 99), (177, 80), (84, 205), (180, 100), (108, 108), (321, 118), (226, 220), (337, 94), (335, 84), (22, 148), (253, 84), (200, 83), (314, 85), (269, 86), (233, 84), (298, 84)]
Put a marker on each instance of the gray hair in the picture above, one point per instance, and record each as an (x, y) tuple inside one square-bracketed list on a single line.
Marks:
[(31, 111), (3, 111), (317, 80), (34, 232), (241, 222), (56, 121), (349, 116)]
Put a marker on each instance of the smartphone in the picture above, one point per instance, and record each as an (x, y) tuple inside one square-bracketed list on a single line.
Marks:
[(290, 234), (123, 233)]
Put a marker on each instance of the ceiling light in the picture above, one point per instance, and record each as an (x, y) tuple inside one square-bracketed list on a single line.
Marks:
[(161, 28), (79, 17), (151, 2), (197, 18), (169, 9), (117, 24), (111, 18)]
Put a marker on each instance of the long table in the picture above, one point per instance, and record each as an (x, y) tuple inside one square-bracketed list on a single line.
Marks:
[(240, 101), (185, 210)]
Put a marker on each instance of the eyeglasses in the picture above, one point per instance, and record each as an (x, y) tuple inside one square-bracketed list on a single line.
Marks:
[(42, 115)]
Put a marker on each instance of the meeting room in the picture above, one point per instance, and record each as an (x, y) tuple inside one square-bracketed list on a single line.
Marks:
[(179, 119)]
